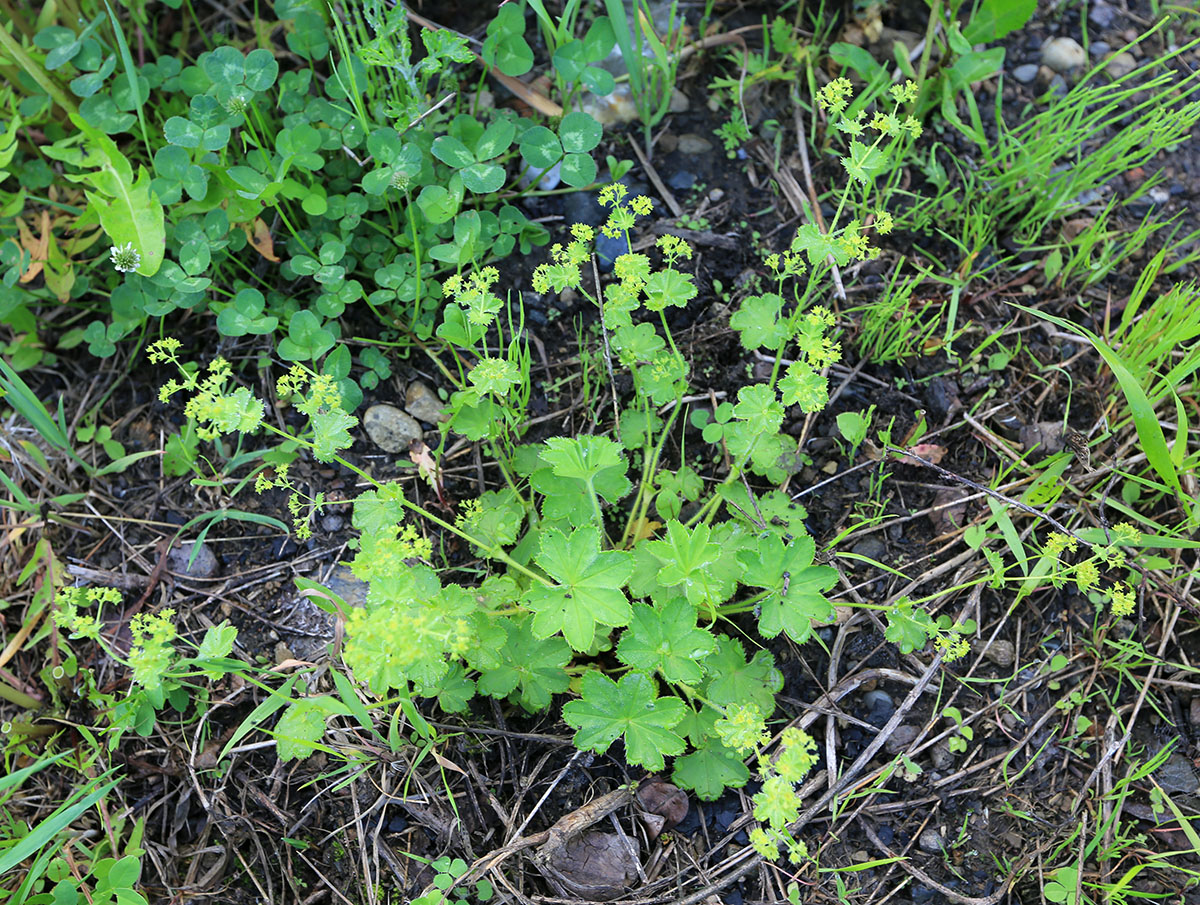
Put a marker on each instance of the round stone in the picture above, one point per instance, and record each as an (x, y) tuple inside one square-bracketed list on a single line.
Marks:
[(1063, 54), (390, 428)]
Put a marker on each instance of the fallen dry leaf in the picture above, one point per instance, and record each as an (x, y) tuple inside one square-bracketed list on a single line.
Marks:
[(664, 799), (37, 247), (930, 451), (262, 241)]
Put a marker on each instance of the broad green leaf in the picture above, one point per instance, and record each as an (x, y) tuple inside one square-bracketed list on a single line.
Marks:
[(579, 133), (993, 19), (302, 726), (736, 681), (759, 323), (709, 771), (532, 668), (909, 628), (669, 287), (578, 170), (666, 640), (496, 139), (129, 212), (449, 150), (759, 407), (588, 590), (483, 178), (540, 147), (687, 558), (795, 600), (631, 708)]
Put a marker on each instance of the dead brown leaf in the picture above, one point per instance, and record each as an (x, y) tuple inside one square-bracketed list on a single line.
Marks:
[(262, 241), (37, 247)]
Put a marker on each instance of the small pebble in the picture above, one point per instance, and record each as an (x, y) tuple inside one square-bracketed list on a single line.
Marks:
[(930, 841), (1063, 54), (332, 523), (871, 548), (422, 403), (1121, 65), (1001, 652), (203, 565), (679, 102), (681, 180), (941, 756), (1099, 48), (879, 707), (694, 144), (1026, 74), (716, 195), (1101, 15), (900, 739), (390, 428)]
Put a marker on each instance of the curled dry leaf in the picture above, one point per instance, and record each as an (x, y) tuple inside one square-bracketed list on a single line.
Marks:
[(928, 451), (664, 799), (262, 241), (596, 866)]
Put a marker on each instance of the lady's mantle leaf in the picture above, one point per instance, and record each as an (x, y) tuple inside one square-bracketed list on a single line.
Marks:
[(687, 558), (734, 681), (631, 707), (299, 730), (909, 627), (589, 589), (665, 640), (795, 601), (709, 771)]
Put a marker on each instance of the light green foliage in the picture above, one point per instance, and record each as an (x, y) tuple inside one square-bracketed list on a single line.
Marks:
[(629, 709)]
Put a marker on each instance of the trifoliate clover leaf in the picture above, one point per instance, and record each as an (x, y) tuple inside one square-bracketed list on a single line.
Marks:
[(666, 640), (759, 407), (687, 558), (795, 600), (709, 771), (909, 628), (588, 590), (759, 323), (631, 708), (735, 681)]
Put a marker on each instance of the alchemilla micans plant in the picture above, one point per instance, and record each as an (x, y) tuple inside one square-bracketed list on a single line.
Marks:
[(607, 573)]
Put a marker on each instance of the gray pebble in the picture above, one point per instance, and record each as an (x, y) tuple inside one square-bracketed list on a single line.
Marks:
[(390, 428), (1121, 65), (351, 589), (941, 756), (422, 403), (871, 548), (204, 565), (1001, 652), (679, 102), (900, 739), (1177, 775), (1025, 74), (1101, 14), (1063, 54), (1099, 48), (332, 523), (694, 144), (879, 707), (930, 841)]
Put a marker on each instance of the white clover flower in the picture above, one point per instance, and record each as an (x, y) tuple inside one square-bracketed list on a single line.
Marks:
[(125, 258)]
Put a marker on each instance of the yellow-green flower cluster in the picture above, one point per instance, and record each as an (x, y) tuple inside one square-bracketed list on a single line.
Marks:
[(151, 654), (474, 293), (213, 408), (405, 640), (742, 728), (70, 602)]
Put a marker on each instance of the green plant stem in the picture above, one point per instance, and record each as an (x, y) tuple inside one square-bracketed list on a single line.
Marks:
[(20, 698), (492, 552)]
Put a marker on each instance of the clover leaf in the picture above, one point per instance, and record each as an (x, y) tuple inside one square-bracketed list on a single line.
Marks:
[(307, 338), (666, 640), (608, 710), (588, 589), (244, 315), (505, 46)]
